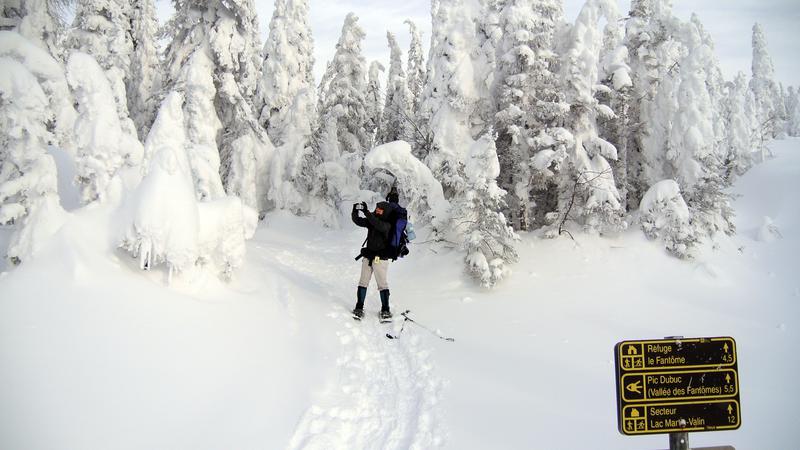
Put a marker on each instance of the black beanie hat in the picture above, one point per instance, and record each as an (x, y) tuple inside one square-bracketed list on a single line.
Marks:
[(393, 196)]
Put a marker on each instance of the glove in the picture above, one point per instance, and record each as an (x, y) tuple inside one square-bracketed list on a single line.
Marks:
[(364, 206)]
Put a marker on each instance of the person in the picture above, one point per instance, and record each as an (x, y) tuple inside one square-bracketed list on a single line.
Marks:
[(374, 254)]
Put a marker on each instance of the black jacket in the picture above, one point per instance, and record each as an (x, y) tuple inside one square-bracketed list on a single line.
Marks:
[(378, 227)]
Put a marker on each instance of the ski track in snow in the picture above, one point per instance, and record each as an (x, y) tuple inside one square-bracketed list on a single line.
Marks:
[(383, 393), (384, 397)]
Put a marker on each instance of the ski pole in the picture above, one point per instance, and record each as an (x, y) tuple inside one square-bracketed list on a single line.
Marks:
[(409, 319)]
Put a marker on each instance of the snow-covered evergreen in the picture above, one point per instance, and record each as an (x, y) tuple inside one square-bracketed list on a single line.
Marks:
[(144, 77), (664, 215), (28, 180), (39, 21), (739, 142), (765, 90), (287, 69), (793, 112), (374, 99), (218, 42), (415, 67), (588, 192), (396, 120), (286, 101), (488, 240), (103, 147)]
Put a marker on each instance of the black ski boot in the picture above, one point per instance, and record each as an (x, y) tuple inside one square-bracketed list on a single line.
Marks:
[(361, 295), (386, 314)]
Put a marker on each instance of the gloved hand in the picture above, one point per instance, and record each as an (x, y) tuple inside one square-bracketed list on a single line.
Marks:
[(364, 206)]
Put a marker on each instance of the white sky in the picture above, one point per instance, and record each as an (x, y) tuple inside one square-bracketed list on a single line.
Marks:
[(729, 22)]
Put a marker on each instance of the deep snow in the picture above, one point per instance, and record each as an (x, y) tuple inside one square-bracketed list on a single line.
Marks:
[(95, 354)]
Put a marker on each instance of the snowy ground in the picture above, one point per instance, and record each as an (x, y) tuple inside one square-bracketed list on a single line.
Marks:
[(97, 355)]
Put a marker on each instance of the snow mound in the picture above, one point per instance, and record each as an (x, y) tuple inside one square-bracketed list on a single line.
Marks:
[(768, 231)]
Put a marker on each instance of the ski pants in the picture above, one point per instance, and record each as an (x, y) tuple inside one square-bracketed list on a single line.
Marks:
[(380, 267)]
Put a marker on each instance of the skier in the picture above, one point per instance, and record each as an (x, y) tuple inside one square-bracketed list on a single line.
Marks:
[(374, 255)]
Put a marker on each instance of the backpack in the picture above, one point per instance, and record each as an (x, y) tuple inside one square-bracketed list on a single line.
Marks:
[(397, 246)]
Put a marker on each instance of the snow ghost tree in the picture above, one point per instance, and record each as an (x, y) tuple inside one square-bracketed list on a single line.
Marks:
[(588, 191), (176, 229), (740, 126), (453, 91), (218, 41), (102, 29), (28, 178), (396, 121), (415, 67), (487, 238), (144, 80), (531, 143), (286, 101), (663, 214), (102, 145), (287, 69), (39, 21), (341, 139), (374, 100), (765, 90), (793, 112)]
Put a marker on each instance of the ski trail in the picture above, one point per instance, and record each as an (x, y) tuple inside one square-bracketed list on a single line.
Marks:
[(384, 396)]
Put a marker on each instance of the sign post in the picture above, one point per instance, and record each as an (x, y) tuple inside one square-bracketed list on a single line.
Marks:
[(675, 385)]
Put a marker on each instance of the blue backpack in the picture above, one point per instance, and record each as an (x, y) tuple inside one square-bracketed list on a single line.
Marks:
[(398, 238)]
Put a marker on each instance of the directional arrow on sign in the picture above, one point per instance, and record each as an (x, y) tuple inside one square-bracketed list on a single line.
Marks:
[(728, 378), (725, 347), (730, 409)]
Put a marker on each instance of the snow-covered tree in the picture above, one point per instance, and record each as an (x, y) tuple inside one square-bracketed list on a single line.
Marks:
[(664, 215), (28, 178), (531, 109), (691, 149), (39, 21), (286, 101), (588, 192), (488, 240), (374, 100), (347, 89), (740, 126), (793, 112), (215, 47), (396, 121), (176, 229), (102, 145), (765, 90), (453, 91), (654, 54), (342, 138), (415, 67), (50, 75), (102, 29), (287, 69), (144, 76)]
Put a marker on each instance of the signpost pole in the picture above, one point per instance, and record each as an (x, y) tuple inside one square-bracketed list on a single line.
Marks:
[(679, 441)]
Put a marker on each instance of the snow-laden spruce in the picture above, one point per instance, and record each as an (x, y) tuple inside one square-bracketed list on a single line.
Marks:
[(39, 21), (218, 41), (341, 140), (176, 229), (531, 142), (396, 121), (415, 67), (664, 215), (588, 190), (374, 101), (102, 29), (287, 70), (488, 240), (144, 79), (769, 110), (50, 75), (103, 145), (286, 102), (28, 179)]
